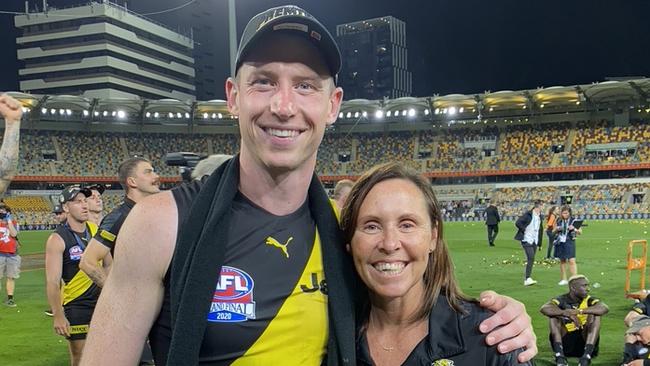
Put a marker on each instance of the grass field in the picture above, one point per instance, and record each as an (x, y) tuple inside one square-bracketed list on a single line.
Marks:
[(26, 336)]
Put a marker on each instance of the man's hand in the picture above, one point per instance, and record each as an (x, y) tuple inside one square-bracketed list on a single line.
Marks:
[(10, 109), (514, 327), (61, 325)]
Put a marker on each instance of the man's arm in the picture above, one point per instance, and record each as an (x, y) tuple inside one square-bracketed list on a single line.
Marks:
[(11, 111), (54, 248), (92, 262), (11, 227), (133, 292), (629, 318), (551, 310), (597, 309), (510, 326)]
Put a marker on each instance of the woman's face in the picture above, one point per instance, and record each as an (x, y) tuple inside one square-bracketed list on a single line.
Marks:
[(565, 214), (392, 240)]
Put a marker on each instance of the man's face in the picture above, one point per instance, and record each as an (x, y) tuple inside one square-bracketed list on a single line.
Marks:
[(59, 217), (77, 208), (95, 203), (284, 97), (580, 288), (145, 178)]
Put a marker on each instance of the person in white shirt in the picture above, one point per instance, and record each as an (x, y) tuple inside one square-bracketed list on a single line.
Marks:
[(529, 233)]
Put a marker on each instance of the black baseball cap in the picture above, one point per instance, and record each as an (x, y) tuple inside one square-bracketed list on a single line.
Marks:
[(290, 18), (70, 192), (57, 209), (98, 187)]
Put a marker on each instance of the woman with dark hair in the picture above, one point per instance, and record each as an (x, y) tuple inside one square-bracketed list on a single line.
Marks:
[(550, 227), (565, 243), (415, 313)]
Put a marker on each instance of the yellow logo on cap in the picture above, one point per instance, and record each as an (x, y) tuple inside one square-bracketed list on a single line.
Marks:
[(443, 362)]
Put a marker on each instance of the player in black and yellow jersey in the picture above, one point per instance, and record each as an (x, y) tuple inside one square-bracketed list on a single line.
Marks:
[(574, 320), (248, 267), (72, 305)]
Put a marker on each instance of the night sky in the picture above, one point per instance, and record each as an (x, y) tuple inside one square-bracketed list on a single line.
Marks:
[(454, 46)]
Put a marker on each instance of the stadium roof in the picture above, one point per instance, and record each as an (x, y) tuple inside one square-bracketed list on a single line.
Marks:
[(437, 109)]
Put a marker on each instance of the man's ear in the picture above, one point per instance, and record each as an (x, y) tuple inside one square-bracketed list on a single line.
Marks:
[(336, 98), (232, 94)]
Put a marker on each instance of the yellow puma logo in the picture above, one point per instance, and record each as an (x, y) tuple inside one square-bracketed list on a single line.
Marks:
[(277, 244)]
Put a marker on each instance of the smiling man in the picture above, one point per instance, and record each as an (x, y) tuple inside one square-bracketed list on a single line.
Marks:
[(247, 266)]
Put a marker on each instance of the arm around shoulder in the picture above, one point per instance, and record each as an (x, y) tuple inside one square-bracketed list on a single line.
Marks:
[(133, 292)]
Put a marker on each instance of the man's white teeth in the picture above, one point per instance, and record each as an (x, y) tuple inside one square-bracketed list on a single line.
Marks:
[(390, 268), (282, 133)]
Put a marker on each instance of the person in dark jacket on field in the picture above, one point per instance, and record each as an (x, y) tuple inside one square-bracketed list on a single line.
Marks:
[(492, 220), (529, 233)]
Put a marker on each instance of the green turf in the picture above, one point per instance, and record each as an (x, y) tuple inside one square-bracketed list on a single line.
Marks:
[(26, 336)]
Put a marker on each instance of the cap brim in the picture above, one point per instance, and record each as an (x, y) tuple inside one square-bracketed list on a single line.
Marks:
[(316, 33)]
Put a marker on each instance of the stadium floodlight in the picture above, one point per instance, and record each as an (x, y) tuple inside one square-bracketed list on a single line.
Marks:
[(452, 111), (444, 111), (348, 115), (68, 112), (356, 114), (411, 112), (541, 105), (61, 111), (461, 110), (96, 113), (25, 109), (86, 113), (341, 115), (426, 112), (379, 114), (205, 115), (43, 110), (179, 115), (436, 111), (388, 114), (105, 114), (148, 114), (220, 116), (121, 114), (187, 115), (114, 114), (364, 114), (404, 112), (52, 111), (214, 116), (170, 115), (156, 115), (491, 109)]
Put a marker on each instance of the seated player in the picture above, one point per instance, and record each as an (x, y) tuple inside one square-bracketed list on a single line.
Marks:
[(633, 349), (639, 331), (574, 320)]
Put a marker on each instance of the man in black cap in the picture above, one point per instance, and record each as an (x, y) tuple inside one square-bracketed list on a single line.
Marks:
[(95, 203), (72, 306), (248, 264), (59, 214)]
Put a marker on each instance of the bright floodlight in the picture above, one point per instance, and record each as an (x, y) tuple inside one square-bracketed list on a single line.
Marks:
[(356, 114), (340, 114), (426, 112), (364, 114), (156, 115), (388, 113), (121, 114), (220, 115), (148, 114), (61, 111), (205, 115), (86, 113), (379, 114), (214, 116), (179, 115), (68, 112), (187, 115), (404, 112), (96, 113), (452, 111), (43, 110), (411, 112), (348, 115), (436, 111), (461, 110), (170, 115), (105, 114)]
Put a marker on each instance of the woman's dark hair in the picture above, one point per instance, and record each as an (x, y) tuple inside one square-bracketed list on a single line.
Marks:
[(439, 274)]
